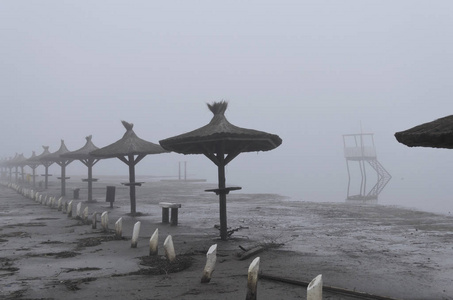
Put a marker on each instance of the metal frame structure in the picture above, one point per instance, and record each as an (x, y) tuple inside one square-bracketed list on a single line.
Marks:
[(363, 151)]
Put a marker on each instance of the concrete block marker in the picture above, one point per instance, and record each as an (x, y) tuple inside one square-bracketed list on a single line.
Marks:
[(252, 279), (105, 221), (135, 234), (79, 210), (153, 243), (211, 257), (169, 249), (85, 215), (314, 289), (119, 228)]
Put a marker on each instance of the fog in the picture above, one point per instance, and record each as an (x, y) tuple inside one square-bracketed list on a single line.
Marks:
[(309, 71)]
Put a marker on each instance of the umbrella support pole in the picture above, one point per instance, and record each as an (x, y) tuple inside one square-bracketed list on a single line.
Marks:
[(132, 187), (222, 200)]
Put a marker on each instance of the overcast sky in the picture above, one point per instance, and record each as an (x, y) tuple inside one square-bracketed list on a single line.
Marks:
[(309, 71)]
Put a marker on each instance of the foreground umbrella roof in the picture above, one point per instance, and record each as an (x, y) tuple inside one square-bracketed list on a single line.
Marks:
[(55, 157), (129, 144), (435, 134), (208, 137), (84, 152)]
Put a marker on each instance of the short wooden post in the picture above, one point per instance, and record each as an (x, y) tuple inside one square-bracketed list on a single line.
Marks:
[(165, 215), (135, 234), (153, 243), (174, 216), (314, 289), (169, 249), (69, 209), (211, 257), (119, 228), (252, 279), (105, 221)]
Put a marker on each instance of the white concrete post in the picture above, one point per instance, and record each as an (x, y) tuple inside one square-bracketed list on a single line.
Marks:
[(119, 228), (153, 243), (59, 203), (105, 221), (85, 215), (169, 249), (94, 220), (69, 209), (135, 234), (252, 279), (79, 210), (211, 257), (314, 289), (52, 203)]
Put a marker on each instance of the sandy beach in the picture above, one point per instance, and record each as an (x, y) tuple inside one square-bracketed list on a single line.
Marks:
[(381, 250)]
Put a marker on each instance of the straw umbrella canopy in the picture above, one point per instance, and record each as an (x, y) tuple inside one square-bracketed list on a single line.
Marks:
[(130, 149), (83, 154), (61, 161), (21, 162), (12, 163), (435, 134), (3, 167), (221, 142), (35, 160)]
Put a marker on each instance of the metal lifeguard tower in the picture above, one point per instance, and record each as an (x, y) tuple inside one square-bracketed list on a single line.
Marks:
[(359, 149)]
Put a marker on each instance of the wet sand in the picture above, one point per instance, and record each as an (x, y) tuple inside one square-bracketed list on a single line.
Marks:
[(375, 249)]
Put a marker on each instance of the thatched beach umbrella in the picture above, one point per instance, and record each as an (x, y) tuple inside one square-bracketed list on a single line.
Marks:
[(125, 149), (83, 154), (3, 167), (221, 142), (21, 162), (13, 163), (35, 160), (435, 134), (61, 161)]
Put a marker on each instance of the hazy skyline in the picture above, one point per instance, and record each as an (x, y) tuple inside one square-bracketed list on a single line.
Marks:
[(309, 71)]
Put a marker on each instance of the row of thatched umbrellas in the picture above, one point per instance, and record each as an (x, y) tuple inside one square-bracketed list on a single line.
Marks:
[(219, 140)]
